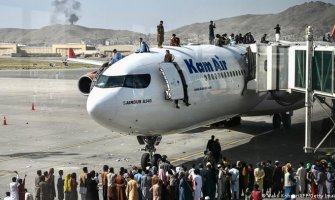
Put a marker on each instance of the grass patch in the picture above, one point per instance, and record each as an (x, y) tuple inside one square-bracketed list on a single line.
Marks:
[(39, 63)]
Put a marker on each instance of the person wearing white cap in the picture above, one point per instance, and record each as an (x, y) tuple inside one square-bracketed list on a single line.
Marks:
[(209, 181)]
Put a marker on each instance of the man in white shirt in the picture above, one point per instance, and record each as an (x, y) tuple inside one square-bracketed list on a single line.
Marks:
[(7, 196), (301, 178), (14, 195), (28, 196)]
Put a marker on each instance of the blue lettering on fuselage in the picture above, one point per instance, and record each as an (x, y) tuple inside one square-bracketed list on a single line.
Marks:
[(206, 66)]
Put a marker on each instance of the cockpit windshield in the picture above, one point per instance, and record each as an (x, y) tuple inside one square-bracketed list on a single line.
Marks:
[(130, 81)]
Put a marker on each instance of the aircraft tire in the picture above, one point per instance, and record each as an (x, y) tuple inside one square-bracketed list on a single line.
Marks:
[(236, 121), (216, 125), (227, 123), (155, 159), (145, 160), (276, 121), (286, 121)]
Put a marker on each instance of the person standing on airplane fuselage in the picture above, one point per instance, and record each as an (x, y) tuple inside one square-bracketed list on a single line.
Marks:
[(160, 34), (211, 32)]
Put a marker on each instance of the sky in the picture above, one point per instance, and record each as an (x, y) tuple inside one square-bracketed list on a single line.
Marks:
[(135, 15)]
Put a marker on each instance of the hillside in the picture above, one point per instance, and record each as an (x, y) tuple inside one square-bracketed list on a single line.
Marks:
[(320, 15), (67, 34)]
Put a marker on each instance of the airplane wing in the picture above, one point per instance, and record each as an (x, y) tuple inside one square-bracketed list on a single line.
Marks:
[(72, 57)]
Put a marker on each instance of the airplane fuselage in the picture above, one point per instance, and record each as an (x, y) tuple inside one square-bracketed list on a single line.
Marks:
[(131, 96)]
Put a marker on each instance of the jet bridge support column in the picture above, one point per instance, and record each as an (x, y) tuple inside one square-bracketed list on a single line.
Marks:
[(309, 93)]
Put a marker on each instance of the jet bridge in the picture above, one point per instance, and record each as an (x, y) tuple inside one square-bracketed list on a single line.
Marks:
[(305, 67)]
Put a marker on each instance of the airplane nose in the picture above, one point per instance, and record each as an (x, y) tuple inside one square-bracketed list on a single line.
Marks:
[(99, 105)]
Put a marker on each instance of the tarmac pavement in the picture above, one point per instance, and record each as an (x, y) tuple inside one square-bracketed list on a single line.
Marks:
[(60, 134)]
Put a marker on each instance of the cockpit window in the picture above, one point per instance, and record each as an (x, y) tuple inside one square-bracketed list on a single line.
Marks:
[(129, 81)]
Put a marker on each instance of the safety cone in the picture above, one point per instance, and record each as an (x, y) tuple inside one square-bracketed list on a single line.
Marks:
[(4, 120), (32, 106)]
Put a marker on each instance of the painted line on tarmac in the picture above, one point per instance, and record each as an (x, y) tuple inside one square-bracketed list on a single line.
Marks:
[(187, 158)]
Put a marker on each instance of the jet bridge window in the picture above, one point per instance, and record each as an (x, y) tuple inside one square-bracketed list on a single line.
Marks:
[(129, 81)]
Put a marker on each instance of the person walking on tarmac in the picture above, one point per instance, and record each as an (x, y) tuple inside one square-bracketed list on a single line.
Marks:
[(160, 34), (210, 144)]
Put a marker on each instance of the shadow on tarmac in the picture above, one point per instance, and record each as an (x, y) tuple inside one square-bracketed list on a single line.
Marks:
[(38, 155), (282, 145)]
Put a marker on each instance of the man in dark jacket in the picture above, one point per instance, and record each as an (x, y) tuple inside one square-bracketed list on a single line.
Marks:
[(211, 32), (277, 178)]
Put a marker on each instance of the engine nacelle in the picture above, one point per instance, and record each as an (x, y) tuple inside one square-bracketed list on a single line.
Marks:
[(85, 82)]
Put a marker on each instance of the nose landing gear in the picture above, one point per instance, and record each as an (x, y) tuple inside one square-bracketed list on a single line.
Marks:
[(150, 158)]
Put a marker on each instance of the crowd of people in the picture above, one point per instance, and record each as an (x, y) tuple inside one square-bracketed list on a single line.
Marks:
[(214, 39), (214, 178)]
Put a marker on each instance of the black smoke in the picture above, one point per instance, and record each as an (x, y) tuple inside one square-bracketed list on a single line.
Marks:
[(68, 8)]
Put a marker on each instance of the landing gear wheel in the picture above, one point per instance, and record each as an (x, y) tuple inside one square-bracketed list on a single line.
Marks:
[(286, 121), (215, 125), (276, 121), (156, 158), (145, 160), (227, 123), (236, 121)]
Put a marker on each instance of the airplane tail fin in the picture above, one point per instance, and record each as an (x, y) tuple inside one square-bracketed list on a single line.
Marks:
[(70, 53), (333, 32)]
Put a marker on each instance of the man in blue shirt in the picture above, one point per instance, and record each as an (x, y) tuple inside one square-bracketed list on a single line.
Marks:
[(143, 47), (117, 56)]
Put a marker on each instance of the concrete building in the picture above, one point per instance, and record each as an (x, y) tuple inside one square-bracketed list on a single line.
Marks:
[(7, 49), (60, 50)]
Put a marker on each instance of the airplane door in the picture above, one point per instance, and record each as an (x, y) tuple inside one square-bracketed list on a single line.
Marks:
[(174, 84)]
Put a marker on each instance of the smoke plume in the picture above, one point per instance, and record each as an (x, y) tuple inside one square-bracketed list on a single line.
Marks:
[(68, 8)]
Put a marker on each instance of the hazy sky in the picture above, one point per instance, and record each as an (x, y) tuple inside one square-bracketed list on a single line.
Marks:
[(135, 15)]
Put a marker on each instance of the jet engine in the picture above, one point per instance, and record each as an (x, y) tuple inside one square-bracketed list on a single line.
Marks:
[(85, 82)]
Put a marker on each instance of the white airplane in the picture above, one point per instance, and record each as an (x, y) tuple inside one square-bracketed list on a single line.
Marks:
[(143, 96)]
